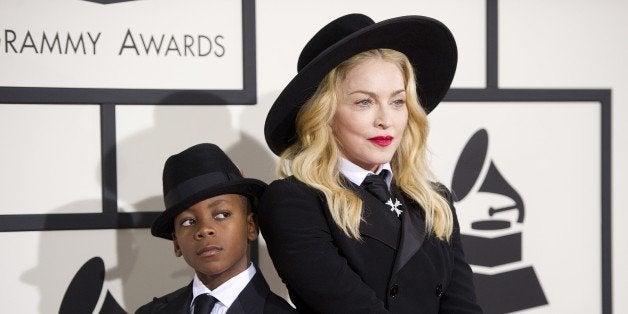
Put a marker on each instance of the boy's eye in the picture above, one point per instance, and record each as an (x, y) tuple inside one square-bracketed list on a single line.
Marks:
[(222, 215), (188, 222)]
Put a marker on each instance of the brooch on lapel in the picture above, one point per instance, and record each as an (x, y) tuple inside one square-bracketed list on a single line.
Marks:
[(394, 207)]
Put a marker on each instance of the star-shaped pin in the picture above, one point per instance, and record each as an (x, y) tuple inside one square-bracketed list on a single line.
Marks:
[(394, 206)]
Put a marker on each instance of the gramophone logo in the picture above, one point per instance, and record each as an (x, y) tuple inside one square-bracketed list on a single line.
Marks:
[(493, 244), (85, 290)]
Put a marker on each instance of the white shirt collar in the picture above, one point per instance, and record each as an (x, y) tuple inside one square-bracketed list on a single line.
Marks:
[(225, 293), (357, 174)]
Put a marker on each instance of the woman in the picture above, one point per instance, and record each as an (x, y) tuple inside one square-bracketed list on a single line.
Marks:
[(342, 237)]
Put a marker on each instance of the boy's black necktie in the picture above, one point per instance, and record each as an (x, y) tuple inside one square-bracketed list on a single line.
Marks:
[(376, 185), (204, 303)]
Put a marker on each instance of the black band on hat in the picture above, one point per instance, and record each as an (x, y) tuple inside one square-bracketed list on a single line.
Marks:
[(195, 185), (197, 173)]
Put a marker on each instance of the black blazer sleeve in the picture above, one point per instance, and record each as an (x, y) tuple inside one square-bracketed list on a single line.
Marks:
[(460, 294), (293, 223)]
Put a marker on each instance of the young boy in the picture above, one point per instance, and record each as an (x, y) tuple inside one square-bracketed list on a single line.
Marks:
[(209, 218)]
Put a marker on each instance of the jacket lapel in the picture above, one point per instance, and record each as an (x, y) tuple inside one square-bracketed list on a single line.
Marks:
[(412, 232), (377, 222), (253, 296)]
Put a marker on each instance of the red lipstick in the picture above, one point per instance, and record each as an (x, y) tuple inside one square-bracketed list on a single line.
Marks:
[(382, 141)]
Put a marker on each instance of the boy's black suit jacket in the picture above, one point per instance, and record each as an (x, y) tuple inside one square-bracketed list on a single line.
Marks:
[(255, 298), (394, 268)]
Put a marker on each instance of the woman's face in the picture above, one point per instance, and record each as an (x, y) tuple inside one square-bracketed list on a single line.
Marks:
[(371, 113)]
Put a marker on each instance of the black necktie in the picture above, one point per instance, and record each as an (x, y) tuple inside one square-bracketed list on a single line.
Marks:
[(203, 303), (377, 186)]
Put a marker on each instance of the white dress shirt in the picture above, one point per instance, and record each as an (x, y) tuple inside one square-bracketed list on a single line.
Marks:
[(225, 293), (357, 174)]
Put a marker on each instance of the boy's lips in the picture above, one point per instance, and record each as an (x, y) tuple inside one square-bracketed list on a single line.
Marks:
[(209, 250), (382, 141)]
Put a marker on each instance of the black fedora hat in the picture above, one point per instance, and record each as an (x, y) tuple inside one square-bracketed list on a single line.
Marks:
[(428, 44), (197, 173)]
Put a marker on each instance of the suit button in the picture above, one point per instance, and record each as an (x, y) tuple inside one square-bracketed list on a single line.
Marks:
[(439, 290), (394, 290)]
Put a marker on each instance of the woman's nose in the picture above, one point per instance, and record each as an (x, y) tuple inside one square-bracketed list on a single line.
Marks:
[(382, 119)]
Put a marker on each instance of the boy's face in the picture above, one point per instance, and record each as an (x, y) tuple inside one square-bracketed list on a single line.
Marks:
[(213, 235)]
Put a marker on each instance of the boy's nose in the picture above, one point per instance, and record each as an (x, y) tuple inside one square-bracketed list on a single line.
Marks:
[(205, 230)]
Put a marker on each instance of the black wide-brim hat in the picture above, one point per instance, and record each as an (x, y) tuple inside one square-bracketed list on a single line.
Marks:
[(195, 174), (428, 44)]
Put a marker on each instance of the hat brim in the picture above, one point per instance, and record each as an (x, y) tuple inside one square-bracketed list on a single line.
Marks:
[(163, 225), (428, 44)]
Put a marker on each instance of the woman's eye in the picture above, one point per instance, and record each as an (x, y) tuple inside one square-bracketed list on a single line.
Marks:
[(222, 215), (364, 102), (399, 102), (187, 222)]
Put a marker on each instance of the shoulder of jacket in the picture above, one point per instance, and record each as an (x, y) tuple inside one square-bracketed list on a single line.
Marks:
[(160, 301), (277, 304), (291, 183), (442, 190)]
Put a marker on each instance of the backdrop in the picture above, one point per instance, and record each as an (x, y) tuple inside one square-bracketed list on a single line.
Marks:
[(96, 96)]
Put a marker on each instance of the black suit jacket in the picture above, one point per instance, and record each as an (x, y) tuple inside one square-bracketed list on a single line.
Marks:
[(255, 298), (392, 269)]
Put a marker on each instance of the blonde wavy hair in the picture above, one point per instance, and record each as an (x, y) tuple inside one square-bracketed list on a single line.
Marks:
[(314, 157)]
